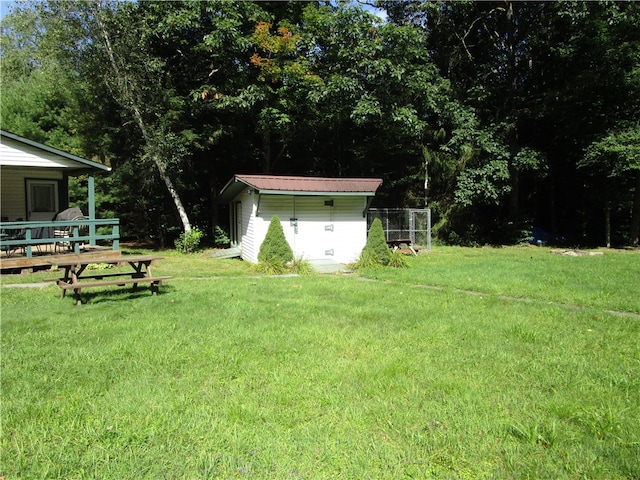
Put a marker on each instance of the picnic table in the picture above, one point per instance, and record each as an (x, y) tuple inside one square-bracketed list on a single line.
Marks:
[(75, 279)]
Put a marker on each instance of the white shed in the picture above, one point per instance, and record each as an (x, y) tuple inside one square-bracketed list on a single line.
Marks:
[(322, 218)]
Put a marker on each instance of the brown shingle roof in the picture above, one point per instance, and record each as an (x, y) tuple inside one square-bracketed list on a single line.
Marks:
[(310, 184), (304, 185)]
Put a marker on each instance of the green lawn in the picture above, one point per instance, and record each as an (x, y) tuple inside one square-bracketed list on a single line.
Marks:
[(473, 363)]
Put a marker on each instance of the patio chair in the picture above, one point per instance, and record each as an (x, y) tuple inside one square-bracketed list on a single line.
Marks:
[(65, 232), (14, 235)]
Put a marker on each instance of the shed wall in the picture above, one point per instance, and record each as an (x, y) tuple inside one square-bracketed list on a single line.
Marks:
[(323, 230), (247, 227)]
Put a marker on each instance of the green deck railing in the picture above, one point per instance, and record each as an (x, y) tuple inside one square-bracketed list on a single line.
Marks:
[(26, 235)]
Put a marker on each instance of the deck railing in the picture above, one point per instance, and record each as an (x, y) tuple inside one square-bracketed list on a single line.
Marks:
[(25, 235)]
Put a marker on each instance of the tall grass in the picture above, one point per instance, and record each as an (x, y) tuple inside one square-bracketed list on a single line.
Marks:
[(321, 377)]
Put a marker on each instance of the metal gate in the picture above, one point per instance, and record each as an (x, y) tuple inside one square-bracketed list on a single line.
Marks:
[(412, 224)]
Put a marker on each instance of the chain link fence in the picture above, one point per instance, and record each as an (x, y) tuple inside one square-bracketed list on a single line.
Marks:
[(413, 224)]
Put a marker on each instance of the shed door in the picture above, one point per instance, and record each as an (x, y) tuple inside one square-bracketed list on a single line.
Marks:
[(236, 224), (314, 238), (42, 199)]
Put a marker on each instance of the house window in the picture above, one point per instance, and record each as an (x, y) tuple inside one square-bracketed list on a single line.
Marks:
[(42, 199)]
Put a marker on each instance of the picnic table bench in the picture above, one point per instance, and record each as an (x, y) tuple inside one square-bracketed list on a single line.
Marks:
[(396, 243), (74, 278)]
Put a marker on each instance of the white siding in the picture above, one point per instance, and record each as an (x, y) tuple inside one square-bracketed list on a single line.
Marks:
[(350, 228), (18, 154), (13, 191), (247, 226)]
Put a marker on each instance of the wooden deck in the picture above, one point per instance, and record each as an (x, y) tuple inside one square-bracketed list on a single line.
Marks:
[(19, 263)]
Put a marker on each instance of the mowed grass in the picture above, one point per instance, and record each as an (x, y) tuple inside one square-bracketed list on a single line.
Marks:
[(371, 376), (608, 281)]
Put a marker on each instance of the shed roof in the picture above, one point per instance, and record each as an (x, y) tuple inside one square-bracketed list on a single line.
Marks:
[(50, 157), (287, 185)]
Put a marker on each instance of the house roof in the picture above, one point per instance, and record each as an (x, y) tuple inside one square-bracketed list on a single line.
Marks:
[(286, 185), (52, 157)]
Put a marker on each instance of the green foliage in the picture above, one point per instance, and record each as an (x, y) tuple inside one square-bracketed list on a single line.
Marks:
[(220, 237), (189, 242), (398, 259), (300, 266), (366, 260), (271, 266), (376, 249), (275, 266), (275, 249), (615, 154)]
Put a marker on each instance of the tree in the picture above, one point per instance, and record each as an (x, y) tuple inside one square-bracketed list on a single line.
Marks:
[(614, 162), (39, 97), (275, 249), (376, 250), (281, 71), (545, 79), (381, 102)]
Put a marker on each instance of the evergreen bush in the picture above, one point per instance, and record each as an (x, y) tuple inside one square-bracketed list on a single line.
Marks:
[(376, 248), (274, 248), (220, 237)]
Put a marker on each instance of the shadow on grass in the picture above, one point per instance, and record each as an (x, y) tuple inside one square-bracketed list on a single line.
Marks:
[(95, 297)]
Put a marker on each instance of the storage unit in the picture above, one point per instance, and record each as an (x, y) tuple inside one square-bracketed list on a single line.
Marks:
[(321, 217)]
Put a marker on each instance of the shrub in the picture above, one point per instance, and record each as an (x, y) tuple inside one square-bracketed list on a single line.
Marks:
[(366, 260), (220, 237), (274, 248), (188, 242), (301, 267), (273, 266), (376, 248), (398, 260)]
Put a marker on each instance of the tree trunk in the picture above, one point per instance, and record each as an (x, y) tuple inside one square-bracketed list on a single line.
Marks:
[(514, 194), (635, 213), (127, 99), (607, 223)]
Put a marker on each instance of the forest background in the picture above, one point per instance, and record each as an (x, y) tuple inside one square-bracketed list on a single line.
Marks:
[(499, 116)]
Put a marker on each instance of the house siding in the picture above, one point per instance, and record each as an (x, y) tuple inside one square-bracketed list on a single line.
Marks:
[(17, 154), (13, 196)]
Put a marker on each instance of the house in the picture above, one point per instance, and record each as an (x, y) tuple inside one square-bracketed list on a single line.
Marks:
[(35, 178), (322, 218), (34, 187)]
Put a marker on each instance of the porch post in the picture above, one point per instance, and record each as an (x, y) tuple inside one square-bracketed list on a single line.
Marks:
[(91, 187)]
